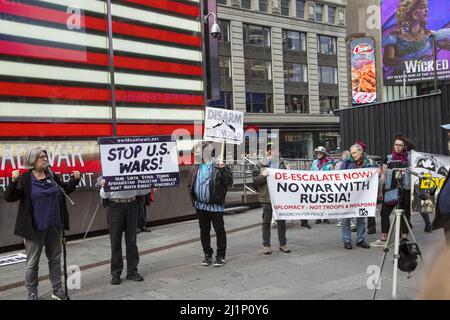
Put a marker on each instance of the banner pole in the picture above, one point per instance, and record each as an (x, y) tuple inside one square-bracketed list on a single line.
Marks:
[(222, 151)]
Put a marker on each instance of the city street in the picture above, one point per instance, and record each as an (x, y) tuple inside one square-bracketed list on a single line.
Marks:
[(318, 267)]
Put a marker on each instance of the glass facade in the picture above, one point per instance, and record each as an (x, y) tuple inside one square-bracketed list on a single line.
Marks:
[(246, 4), (263, 7), (259, 102), (300, 9), (285, 7), (301, 144), (331, 14), (225, 30), (296, 145), (294, 40), (225, 67), (225, 101), (328, 104), (297, 104), (319, 12), (328, 75), (326, 44), (258, 69), (331, 141), (256, 35), (295, 72)]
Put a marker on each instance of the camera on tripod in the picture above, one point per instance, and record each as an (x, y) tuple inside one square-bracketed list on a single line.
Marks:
[(398, 168)]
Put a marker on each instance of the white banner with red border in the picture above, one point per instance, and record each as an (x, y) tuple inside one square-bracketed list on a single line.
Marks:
[(323, 194)]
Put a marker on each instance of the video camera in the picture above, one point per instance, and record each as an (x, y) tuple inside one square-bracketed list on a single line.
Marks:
[(399, 169)]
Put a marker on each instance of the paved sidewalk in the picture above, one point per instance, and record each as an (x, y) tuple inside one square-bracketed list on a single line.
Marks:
[(317, 268)]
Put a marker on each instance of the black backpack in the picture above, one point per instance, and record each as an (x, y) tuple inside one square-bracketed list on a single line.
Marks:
[(408, 252)]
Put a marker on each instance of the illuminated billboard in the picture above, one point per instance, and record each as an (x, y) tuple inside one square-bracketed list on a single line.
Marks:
[(364, 79), (408, 30)]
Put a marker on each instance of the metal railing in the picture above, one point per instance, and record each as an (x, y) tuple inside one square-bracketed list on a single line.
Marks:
[(243, 172), (298, 164)]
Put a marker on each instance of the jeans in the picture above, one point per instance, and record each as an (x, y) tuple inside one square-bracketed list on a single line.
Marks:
[(281, 226), (205, 218), (122, 217), (360, 230), (51, 240)]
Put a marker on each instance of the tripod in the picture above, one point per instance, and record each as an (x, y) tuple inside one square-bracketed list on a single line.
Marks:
[(394, 231), (63, 235)]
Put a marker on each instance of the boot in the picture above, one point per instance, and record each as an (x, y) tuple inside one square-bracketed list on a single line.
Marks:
[(426, 219)]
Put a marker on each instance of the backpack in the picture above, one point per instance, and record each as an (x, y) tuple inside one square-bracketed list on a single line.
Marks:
[(408, 252)]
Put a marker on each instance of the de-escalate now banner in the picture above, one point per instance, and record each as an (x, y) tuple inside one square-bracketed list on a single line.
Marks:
[(323, 194)]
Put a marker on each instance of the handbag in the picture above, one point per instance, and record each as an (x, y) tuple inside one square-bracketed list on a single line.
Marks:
[(391, 197)]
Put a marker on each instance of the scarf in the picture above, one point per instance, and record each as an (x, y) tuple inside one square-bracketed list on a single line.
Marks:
[(323, 162), (403, 157), (364, 163)]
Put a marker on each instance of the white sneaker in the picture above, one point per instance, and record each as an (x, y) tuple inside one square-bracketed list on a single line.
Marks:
[(378, 243), (339, 224)]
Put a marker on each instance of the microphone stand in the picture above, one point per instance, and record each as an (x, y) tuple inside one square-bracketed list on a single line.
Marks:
[(63, 236)]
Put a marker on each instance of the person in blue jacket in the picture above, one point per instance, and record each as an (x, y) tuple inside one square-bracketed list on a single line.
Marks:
[(323, 162), (358, 159)]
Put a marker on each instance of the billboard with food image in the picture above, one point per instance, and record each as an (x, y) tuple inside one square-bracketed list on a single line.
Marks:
[(364, 80)]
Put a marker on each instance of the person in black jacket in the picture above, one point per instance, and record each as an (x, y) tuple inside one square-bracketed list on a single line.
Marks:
[(442, 215), (208, 183), (42, 215)]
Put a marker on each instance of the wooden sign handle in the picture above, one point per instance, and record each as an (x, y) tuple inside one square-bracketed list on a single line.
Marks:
[(222, 151)]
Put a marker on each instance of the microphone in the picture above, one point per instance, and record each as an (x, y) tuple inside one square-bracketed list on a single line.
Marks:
[(49, 168)]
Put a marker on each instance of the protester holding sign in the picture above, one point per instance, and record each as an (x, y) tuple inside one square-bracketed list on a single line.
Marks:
[(208, 183), (344, 155), (123, 216), (442, 216), (400, 158), (357, 160), (42, 215), (131, 163), (322, 163), (260, 174)]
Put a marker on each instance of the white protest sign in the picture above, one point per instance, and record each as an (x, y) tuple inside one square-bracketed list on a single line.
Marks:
[(433, 168), (224, 126), (323, 194), (131, 163)]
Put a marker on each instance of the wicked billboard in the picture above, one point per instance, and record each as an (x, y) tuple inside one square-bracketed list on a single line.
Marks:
[(415, 40)]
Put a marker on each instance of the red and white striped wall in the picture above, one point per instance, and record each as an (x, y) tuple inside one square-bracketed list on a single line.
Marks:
[(54, 74)]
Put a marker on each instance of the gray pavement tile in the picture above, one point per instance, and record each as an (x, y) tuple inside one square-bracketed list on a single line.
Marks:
[(317, 268), (261, 293)]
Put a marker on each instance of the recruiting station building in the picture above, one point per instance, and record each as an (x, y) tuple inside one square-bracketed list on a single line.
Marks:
[(73, 71)]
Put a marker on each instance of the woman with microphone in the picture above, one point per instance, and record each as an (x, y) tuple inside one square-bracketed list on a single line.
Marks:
[(39, 220)]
